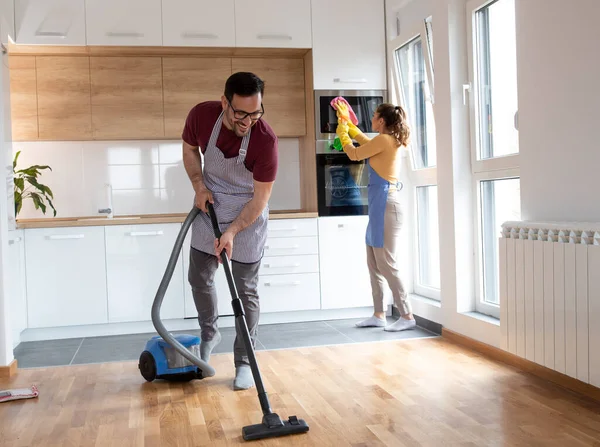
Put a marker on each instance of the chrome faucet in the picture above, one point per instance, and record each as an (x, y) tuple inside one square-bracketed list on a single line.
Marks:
[(109, 211)]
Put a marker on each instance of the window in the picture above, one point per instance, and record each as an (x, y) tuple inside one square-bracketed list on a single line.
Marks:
[(412, 57), (428, 240), (496, 67), (499, 201), (494, 135), (417, 102)]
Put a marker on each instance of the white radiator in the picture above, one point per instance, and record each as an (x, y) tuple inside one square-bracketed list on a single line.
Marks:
[(549, 277)]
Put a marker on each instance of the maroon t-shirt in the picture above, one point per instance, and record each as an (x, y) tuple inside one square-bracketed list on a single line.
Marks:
[(261, 157)]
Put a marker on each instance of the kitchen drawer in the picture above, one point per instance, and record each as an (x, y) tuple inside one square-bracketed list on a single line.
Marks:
[(292, 227), (282, 293), (286, 246), (279, 265)]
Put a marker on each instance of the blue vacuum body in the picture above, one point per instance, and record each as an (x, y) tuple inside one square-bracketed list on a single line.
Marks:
[(160, 360)]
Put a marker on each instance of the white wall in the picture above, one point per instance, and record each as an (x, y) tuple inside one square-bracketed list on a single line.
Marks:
[(6, 353), (559, 95), (147, 177)]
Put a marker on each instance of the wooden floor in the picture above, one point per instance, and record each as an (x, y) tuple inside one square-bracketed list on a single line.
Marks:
[(401, 393)]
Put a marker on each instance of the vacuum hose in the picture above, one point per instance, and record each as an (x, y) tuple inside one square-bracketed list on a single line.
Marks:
[(207, 370)]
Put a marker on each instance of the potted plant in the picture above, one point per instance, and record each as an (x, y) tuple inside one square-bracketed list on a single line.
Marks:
[(27, 186)]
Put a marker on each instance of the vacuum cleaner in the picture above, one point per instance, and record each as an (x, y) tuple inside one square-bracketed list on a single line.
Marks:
[(177, 358)]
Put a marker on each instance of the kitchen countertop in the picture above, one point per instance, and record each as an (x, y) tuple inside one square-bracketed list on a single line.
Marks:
[(94, 221)]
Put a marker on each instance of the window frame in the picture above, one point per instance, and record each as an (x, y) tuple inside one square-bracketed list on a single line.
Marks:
[(420, 288), (499, 163), (497, 168), (481, 305), (418, 177)]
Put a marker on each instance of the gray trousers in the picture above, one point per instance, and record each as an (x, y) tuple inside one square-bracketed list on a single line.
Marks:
[(383, 262), (201, 276)]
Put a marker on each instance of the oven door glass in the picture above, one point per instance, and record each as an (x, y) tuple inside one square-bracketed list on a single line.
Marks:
[(363, 106), (342, 185)]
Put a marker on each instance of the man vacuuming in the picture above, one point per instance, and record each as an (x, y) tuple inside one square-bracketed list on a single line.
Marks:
[(240, 165)]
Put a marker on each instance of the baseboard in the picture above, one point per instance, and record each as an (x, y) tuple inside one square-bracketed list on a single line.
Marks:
[(525, 365), (7, 372), (146, 327), (431, 326)]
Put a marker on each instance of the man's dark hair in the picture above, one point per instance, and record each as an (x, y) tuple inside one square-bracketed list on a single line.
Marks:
[(243, 84)]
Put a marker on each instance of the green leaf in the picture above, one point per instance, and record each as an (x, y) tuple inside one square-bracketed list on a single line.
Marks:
[(38, 202), (19, 183), (15, 160), (33, 172), (52, 205)]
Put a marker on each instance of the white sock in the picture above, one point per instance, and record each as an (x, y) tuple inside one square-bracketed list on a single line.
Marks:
[(371, 322), (206, 347), (400, 325), (243, 378)]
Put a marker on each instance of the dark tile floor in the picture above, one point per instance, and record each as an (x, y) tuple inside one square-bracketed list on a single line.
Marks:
[(116, 348)]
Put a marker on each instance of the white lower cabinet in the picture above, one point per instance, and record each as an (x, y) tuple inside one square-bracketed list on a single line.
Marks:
[(110, 274), (136, 259), (66, 276), (343, 262), (280, 293), (289, 272), (16, 284)]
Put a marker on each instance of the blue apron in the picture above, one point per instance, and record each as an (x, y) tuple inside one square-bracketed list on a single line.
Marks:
[(378, 194)]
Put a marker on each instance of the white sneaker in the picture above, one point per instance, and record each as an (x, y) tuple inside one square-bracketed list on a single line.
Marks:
[(400, 325)]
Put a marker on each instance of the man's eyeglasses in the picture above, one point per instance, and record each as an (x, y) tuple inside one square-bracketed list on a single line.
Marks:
[(241, 115)]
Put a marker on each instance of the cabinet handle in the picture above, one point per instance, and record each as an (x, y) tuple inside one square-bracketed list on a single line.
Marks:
[(14, 241), (50, 34), (66, 236), (268, 266), (293, 247), (289, 283), (274, 37), (191, 35), (124, 34), (284, 229), (340, 225), (146, 233), (350, 81)]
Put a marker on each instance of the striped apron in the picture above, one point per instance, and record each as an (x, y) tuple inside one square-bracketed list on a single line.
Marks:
[(232, 187)]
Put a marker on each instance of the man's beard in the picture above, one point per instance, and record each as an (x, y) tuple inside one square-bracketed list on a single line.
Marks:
[(235, 126)]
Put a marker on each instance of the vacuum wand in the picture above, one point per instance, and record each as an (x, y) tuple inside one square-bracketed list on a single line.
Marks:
[(271, 425), (240, 319)]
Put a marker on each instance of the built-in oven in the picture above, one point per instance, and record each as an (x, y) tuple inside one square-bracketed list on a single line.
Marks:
[(341, 183), (363, 103)]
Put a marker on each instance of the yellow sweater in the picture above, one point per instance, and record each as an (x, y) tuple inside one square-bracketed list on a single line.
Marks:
[(383, 152)]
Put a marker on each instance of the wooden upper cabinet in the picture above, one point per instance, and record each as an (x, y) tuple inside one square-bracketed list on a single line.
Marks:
[(63, 88), (188, 81), (284, 99), (23, 98), (127, 99)]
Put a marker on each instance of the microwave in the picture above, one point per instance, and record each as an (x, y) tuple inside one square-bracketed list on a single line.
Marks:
[(363, 103)]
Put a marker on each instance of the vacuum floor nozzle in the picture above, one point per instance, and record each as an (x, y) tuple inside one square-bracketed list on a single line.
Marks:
[(272, 427)]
